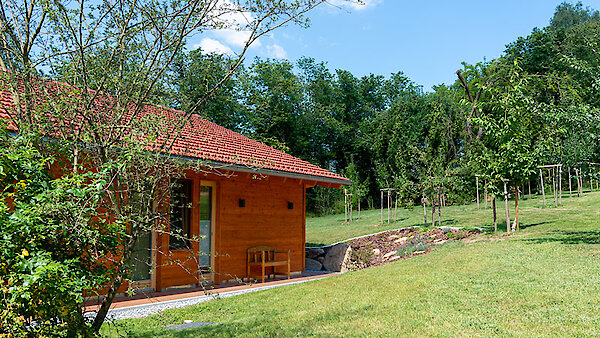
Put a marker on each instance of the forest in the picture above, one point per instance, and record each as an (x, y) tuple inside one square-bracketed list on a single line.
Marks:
[(536, 104)]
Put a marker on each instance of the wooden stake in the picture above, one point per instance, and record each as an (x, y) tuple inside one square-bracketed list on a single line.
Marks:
[(570, 187), (388, 207), (381, 207), (560, 185), (477, 185), (516, 207), (506, 209), (345, 207), (553, 173), (542, 184), (350, 207)]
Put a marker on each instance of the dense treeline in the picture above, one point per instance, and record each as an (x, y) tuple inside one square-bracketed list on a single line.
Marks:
[(538, 103)]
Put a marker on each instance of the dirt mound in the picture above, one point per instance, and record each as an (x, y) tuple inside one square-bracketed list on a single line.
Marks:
[(393, 245)]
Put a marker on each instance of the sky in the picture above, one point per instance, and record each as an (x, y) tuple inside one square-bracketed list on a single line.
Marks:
[(426, 40)]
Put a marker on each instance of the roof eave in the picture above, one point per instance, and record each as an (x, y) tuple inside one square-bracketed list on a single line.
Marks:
[(279, 173)]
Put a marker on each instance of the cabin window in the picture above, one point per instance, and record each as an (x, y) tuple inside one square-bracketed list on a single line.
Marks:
[(181, 212)]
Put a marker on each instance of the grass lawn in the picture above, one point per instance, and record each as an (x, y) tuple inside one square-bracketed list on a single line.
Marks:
[(544, 280), (330, 229)]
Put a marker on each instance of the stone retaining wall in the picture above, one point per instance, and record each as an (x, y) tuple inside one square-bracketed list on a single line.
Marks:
[(329, 258)]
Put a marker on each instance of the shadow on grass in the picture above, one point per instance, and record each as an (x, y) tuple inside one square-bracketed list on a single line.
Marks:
[(489, 228), (569, 237), (309, 244)]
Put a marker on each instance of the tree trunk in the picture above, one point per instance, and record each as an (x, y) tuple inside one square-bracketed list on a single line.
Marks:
[(494, 212), (485, 195), (433, 213), (116, 284), (396, 210), (358, 207), (424, 211), (439, 210)]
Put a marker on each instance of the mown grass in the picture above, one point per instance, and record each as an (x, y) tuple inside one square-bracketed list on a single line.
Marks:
[(331, 229), (544, 280)]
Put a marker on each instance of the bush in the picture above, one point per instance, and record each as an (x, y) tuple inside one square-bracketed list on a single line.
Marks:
[(50, 243)]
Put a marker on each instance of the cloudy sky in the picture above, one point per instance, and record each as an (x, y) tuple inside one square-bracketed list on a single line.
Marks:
[(427, 40)]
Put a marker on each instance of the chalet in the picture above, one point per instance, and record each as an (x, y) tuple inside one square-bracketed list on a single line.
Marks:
[(257, 200)]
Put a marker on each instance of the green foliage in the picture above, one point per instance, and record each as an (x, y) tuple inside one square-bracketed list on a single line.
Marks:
[(568, 15), (52, 241)]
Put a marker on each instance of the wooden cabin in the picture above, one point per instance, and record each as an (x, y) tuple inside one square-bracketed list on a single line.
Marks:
[(237, 206), (250, 195)]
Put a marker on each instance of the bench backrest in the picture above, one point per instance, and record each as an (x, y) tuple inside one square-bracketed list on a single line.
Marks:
[(255, 254)]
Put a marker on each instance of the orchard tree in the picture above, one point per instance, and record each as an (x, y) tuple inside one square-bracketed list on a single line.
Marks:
[(515, 133)]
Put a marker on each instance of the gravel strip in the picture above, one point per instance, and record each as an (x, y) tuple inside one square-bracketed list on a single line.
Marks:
[(139, 311)]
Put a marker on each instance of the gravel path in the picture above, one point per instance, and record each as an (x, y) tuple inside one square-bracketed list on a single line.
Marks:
[(139, 311)]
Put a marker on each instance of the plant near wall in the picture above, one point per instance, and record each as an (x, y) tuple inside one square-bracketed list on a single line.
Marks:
[(52, 248)]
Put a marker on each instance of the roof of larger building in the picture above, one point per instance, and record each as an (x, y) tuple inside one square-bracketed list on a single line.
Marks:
[(202, 139)]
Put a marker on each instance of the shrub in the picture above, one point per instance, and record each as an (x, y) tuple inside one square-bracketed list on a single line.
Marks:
[(415, 243)]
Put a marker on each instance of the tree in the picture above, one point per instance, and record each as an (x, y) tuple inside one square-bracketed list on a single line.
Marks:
[(111, 58), (568, 15), (515, 133)]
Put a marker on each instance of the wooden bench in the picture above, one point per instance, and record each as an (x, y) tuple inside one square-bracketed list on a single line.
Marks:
[(264, 257)]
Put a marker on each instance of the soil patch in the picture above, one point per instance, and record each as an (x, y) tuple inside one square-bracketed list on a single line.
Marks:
[(393, 245)]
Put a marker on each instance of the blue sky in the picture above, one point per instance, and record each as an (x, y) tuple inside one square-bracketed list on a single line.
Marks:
[(427, 40)]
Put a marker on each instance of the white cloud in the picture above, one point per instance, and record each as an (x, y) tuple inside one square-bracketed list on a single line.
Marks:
[(356, 5), (209, 45), (235, 37), (276, 51)]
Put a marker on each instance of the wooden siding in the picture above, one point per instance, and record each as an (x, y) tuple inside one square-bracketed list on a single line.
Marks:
[(265, 220)]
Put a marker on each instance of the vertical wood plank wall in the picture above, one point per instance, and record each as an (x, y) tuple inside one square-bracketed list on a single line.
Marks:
[(265, 220)]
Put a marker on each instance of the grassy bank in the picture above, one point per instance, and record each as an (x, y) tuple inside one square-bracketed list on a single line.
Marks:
[(544, 280)]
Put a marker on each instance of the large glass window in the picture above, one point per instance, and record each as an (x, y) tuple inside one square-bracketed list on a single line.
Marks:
[(205, 228), (181, 212)]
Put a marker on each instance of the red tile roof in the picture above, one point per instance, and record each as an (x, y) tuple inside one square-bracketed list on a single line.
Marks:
[(208, 141)]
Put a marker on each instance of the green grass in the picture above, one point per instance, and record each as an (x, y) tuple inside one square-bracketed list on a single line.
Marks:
[(331, 229), (544, 280)]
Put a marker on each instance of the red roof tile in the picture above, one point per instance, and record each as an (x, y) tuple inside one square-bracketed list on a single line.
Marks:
[(205, 140)]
